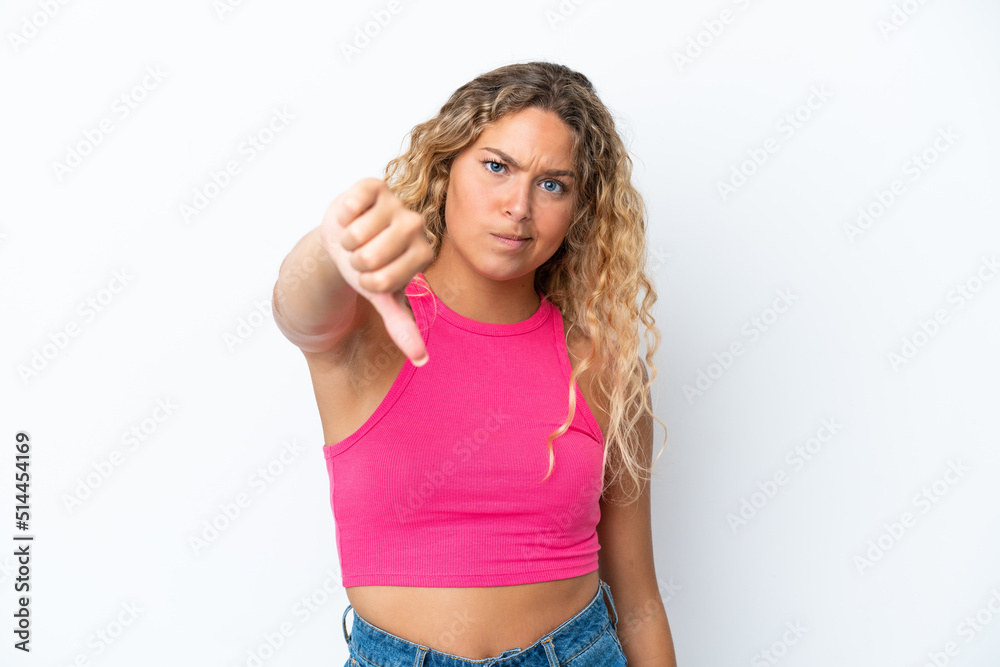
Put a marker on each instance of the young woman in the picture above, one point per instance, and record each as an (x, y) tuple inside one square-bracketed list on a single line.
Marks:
[(470, 324)]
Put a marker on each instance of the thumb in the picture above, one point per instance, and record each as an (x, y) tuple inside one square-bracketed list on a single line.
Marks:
[(400, 325)]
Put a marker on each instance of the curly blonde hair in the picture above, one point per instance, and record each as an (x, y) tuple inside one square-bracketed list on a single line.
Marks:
[(595, 275)]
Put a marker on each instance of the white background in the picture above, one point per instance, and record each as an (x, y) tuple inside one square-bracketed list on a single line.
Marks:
[(191, 286)]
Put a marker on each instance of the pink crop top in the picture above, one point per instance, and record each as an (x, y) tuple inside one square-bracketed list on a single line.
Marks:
[(441, 485)]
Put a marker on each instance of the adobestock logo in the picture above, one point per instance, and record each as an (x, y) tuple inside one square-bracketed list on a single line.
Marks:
[(269, 643), (363, 35), (88, 310), (105, 468), (913, 168), (247, 325), (796, 457), (563, 11), (699, 43), (225, 7), (971, 627), (32, 25), (121, 109), (220, 179), (786, 126), (421, 492), (925, 500), (899, 17), (779, 648), (631, 620), (752, 328), (928, 328), (230, 511)]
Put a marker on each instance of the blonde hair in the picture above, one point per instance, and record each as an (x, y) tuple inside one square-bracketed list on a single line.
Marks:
[(595, 275)]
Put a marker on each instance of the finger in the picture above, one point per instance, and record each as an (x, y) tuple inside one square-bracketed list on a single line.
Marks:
[(356, 200), (383, 249), (367, 226), (401, 326)]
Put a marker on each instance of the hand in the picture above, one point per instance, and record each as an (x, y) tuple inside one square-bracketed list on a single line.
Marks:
[(378, 246)]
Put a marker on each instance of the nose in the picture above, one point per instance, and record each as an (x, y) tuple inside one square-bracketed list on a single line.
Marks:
[(518, 200)]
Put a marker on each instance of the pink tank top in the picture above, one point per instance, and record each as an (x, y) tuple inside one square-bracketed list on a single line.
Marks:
[(441, 486)]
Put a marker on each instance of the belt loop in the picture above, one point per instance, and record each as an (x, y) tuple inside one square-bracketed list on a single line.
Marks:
[(550, 652), (347, 637), (607, 589)]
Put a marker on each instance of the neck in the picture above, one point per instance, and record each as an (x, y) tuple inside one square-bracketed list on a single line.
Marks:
[(478, 297)]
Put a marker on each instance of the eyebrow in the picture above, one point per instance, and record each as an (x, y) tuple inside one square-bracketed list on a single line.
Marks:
[(512, 161)]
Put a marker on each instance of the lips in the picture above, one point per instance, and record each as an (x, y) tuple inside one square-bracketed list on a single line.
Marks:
[(513, 238)]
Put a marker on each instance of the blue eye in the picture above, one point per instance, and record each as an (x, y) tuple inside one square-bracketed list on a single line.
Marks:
[(489, 162), (560, 191)]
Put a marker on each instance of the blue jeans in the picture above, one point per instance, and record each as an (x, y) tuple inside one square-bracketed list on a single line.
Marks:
[(588, 639)]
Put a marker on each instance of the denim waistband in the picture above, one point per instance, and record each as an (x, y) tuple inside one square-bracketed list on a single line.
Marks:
[(574, 635)]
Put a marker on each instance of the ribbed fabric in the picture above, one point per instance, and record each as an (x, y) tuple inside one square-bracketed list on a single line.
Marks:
[(441, 486)]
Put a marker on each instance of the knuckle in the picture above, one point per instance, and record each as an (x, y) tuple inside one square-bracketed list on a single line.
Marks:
[(418, 221), (409, 220), (379, 281), (373, 183), (363, 260)]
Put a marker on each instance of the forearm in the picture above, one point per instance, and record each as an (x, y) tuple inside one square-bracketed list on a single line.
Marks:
[(310, 295), (645, 636)]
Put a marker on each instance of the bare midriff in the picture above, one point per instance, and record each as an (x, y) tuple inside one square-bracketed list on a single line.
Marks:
[(473, 622)]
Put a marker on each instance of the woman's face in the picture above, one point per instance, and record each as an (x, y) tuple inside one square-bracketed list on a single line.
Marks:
[(516, 180)]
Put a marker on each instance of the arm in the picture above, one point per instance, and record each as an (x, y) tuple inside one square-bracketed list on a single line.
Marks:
[(367, 237), (626, 563), (313, 305)]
